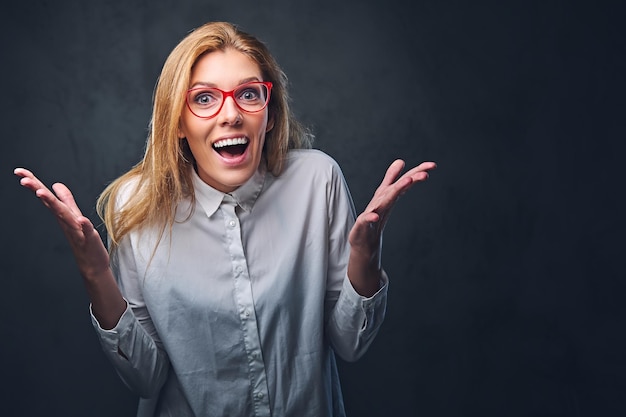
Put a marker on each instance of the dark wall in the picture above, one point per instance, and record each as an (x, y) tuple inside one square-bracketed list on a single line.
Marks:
[(507, 266)]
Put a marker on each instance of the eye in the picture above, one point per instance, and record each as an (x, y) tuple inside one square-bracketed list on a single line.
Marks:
[(206, 97), (249, 94)]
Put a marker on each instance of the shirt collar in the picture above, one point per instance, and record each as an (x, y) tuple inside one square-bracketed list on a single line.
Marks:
[(245, 196)]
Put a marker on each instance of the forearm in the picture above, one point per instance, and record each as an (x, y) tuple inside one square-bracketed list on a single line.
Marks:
[(365, 271), (107, 303)]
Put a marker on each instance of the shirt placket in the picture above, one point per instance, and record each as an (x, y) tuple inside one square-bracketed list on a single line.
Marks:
[(245, 308)]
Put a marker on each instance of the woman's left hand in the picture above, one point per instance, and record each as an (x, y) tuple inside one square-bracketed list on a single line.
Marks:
[(366, 235)]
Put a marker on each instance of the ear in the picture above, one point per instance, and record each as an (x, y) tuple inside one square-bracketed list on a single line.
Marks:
[(179, 132), (270, 123)]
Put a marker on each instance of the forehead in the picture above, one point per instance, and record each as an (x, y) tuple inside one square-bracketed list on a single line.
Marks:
[(225, 69)]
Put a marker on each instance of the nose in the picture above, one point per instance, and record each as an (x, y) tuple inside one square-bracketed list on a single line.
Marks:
[(230, 112)]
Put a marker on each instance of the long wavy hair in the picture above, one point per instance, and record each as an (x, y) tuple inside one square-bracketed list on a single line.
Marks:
[(163, 177)]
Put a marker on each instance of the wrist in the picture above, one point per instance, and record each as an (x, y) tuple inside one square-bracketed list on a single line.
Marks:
[(365, 274)]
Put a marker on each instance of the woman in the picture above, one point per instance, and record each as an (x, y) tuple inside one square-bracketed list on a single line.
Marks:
[(237, 268)]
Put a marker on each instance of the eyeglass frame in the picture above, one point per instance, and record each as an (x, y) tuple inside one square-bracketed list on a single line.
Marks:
[(226, 94)]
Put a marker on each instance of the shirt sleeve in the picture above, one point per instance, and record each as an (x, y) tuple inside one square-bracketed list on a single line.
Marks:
[(352, 321), (133, 346), (355, 320)]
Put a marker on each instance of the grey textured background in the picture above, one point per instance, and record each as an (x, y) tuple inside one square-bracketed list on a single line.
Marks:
[(507, 266)]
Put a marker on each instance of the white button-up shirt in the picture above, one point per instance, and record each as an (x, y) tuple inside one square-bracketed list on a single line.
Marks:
[(239, 308)]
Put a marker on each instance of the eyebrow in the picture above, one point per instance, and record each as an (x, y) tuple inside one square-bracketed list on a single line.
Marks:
[(209, 84)]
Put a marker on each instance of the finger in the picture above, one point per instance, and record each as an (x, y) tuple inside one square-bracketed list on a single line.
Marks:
[(64, 214), (50, 199), (65, 195), (416, 174), (61, 211), (391, 188), (393, 172), (424, 167), (370, 217), (28, 179), (85, 228), (42, 192), (22, 172)]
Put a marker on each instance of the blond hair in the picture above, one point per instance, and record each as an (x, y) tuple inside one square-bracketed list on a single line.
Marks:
[(163, 177)]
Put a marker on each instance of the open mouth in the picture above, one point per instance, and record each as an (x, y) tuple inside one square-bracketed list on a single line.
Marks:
[(231, 148)]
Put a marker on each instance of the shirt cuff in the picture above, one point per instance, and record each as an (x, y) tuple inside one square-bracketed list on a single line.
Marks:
[(359, 312), (360, 299), (112, 336)]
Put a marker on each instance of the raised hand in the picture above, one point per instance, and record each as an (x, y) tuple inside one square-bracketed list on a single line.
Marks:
[(89, 251), (365, 238), (91, 255)]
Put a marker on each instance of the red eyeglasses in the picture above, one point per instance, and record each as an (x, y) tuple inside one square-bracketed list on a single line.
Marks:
[(206, 102)]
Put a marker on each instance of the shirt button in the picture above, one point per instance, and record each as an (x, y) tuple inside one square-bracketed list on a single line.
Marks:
[(239, 269), (259, 395), (232, 223), (246, 313)]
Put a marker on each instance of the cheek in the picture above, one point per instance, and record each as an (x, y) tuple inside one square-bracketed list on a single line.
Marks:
[(265, 125)]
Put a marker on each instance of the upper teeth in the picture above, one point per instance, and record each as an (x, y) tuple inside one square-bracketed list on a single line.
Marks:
[(230, 142)]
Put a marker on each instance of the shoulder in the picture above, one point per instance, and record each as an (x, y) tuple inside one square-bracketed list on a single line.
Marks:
[(311, 161), (309, 171)]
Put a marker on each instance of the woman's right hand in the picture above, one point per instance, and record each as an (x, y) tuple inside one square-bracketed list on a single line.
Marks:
[(89, 251)]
